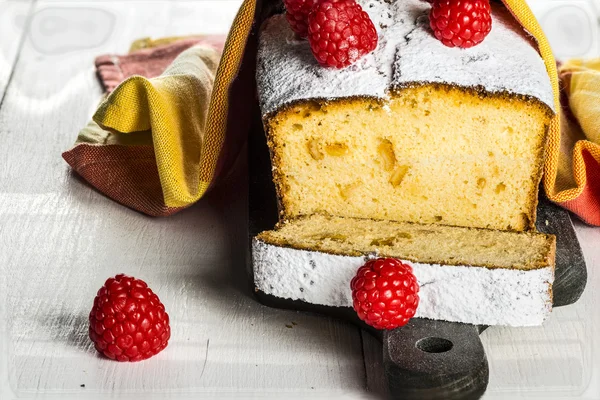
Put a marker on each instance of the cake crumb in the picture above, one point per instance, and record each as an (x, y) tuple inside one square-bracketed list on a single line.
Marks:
[(547, 223)]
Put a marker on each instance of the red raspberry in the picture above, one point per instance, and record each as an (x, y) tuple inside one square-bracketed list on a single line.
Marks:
[(340, 32), (128, 322), (461, 23), (297, 15), (385, 293)]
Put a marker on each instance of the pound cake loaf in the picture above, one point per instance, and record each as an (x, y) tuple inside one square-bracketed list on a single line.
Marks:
[(415, 131), (474, 276)]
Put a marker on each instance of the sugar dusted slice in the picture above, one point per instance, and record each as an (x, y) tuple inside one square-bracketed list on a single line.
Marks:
[(467, 275)]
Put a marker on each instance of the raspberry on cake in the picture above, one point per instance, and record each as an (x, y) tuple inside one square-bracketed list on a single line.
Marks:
[(340, 32), (414, 131), (460, 23), (385, 293), (297, 15), (421, 152)]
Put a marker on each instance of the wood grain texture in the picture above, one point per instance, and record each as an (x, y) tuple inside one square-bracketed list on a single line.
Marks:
[(59, 241), (372, 351), (435, 360), (14, 18)]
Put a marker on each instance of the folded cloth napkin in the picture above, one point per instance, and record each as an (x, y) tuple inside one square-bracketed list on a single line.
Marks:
[(148, 57), (571, 170), (145, 140), (158, 145), (577, 184)]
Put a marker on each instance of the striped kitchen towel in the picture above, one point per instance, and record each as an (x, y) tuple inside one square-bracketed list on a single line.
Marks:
[(146, 138)]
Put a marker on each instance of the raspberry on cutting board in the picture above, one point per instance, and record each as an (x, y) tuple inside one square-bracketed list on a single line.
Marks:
[(128, 322), (385, 293), (340, 32), (460, 23)]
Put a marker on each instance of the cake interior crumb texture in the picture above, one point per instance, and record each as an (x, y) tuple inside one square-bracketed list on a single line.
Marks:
[(432, 154), (427, 244)]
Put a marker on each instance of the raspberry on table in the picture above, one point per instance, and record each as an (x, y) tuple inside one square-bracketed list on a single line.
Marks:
[(297, 15), (340, 32), (385, 293), (460, 23), (128, 322)]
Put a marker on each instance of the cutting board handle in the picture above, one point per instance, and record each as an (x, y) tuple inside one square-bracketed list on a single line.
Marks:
[(433, 360)]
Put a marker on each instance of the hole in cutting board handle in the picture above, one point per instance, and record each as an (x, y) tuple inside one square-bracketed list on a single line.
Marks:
[(434, 345)]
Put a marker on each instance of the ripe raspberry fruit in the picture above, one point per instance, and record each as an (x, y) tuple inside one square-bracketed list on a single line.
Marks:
[(128, 322), (340, 32), (385, 293), (297, 15), (461, 23)]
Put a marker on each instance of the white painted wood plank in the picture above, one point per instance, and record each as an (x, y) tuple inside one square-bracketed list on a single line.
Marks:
[(13, 19), (59, 240)]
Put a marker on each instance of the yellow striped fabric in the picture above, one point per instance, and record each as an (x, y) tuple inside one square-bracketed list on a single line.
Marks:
[(231, 60), (172, 110), (581, 82), (524, 15)]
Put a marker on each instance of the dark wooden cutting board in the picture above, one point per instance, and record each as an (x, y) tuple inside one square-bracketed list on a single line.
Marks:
[(426, 359)]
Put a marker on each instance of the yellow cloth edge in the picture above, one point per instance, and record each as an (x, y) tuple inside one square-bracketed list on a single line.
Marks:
[(148, 42), (139, 104), (529, 22), (231, 59), (525, 17), (584, 81)]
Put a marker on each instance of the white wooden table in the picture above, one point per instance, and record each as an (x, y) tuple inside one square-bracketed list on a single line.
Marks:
[(60, 239)]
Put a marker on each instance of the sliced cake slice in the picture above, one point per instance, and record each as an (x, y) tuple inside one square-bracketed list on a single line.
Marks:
[(467, 275)]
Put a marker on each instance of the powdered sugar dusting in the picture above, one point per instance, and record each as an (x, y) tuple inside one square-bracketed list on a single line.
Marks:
[(287, 71), (504, 62), (467, 294), (407, 53)]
